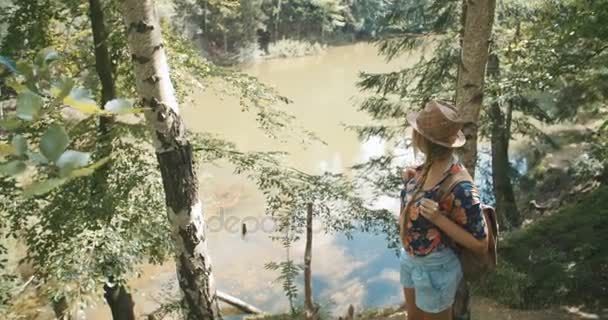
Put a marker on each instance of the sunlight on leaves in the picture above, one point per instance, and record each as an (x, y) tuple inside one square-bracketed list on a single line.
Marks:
[(89, 169), (47, 56), (81, 100), (42, 187), (37, 158), (71, 160), (10, 123), (20, 144), (7, 150), (16, 85), (62, 88), (7, 64), (28, 105), (119, 106), (12, 168), (54, 141)]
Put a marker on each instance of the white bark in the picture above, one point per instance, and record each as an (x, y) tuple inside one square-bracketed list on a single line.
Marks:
[(478, 18), (174, 153)]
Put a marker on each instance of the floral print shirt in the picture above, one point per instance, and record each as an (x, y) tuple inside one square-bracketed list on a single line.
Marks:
[(462, 206)]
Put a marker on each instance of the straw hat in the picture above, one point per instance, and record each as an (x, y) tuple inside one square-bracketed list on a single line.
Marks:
[(440, 123)]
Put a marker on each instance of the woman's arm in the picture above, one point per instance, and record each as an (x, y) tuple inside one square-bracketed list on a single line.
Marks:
[(460, 235), (466, 224)]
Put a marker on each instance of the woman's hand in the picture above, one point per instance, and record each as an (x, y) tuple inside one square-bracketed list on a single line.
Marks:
[(407, 174), (429, 209)]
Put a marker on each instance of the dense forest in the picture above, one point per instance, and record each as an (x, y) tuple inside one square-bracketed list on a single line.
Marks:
[(129, 127)]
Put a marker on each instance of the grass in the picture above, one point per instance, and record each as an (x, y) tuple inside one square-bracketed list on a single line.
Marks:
[(561, 259)]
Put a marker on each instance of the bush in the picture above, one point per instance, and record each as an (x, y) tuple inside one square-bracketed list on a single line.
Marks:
[(507, 285), (560, 259), (294, 48)]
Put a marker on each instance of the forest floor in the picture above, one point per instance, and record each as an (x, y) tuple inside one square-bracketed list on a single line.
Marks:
[(484, 309)]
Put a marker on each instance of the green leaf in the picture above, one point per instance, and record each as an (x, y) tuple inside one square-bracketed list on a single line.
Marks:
[(47, 56), (28, 105), (7, 149), (25, 69), (8, 64), (62, 87), (37, 158), (10, 124), (53, 142), (90, 169), (71, 160), (15, 85), (119, 106), (80, 99), (20, 144), (12, 168), (42, 187)]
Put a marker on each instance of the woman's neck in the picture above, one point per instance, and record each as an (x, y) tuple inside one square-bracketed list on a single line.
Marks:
[(436, 171)]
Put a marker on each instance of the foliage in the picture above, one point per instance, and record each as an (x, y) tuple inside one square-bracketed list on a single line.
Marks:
[(599, 150), (84, 233), (543, 78), (225, 29), (288, 271), (368, 16), (114, 219), (293, 48), (92, 230), (222, 27), (560, 257), (507, 285), (37, 141), (8, 281), (336, 201)]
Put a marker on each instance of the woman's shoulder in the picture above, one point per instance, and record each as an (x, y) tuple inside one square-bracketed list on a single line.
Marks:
[(465, 188), (466, 191)]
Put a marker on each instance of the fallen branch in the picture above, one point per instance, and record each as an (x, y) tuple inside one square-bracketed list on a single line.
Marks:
[(237, 303), (24, 286), (243, 306)]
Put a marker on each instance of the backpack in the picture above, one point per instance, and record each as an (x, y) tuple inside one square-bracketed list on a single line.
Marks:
[(474, 266)]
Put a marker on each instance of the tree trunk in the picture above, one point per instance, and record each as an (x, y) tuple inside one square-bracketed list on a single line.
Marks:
[(118, 298), (62, 309), (103, 62), (120, 302), (277, 20), (478, 17), (501, 170), (500, 126), (174, 155), (308, 303)]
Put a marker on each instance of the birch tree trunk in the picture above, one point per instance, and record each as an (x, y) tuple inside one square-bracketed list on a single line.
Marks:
[(174, 155), (477, 21)]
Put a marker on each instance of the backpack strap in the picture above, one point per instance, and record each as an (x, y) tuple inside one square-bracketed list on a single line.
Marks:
[(451, 182), (446, 187)]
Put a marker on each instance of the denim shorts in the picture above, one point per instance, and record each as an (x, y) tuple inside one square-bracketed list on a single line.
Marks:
[(434, 278)]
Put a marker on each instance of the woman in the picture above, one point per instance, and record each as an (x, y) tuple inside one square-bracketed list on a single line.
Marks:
[(429, 227)]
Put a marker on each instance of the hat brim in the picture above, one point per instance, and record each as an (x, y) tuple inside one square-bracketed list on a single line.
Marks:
[(459, 142)]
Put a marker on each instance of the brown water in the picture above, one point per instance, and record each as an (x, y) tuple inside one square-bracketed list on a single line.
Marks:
[(361, 272)]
